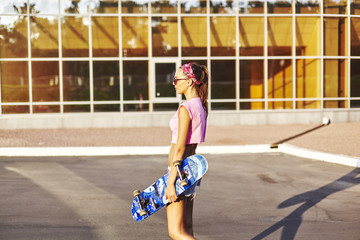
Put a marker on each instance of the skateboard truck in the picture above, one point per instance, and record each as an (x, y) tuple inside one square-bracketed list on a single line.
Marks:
[(136, 194), (183, 181)]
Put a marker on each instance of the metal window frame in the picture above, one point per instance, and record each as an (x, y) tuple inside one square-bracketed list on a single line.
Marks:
[(237, 58)]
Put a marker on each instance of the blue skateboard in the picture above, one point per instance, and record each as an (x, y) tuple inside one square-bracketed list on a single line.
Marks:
[(152, 198)]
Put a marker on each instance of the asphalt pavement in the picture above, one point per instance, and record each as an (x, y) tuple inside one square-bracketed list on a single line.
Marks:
[(243, 196)]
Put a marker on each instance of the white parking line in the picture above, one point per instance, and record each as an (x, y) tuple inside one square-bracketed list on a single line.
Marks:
[(159, 150)]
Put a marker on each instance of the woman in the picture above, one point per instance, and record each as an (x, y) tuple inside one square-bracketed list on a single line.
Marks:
[(188, 127)]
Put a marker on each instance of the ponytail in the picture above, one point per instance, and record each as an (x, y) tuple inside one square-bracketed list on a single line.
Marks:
[(202, 75)]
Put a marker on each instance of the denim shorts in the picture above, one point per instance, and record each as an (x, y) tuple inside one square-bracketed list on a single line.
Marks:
[(191, 190)]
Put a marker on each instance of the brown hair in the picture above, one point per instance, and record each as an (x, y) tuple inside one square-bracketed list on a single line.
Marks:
[(202, 75)]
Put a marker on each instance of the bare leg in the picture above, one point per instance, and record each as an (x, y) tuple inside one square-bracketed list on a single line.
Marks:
[(175, 215)]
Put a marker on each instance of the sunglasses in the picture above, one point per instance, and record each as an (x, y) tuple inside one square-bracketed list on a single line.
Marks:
[(178, 79)]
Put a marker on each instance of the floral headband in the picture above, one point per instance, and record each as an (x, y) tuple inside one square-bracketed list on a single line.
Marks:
[(189, 72)]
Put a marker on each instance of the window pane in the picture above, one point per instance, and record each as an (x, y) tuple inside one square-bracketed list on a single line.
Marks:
[(164, 36), (279, 6), (46, 109), (355, 7), (106, 80), (106, 108), (335, 6), (252, 105), (280, 83), (45, 81), (223, 106), (104, 6), (336, 104), (355, 36), (136, 107), (76, 81), (355, 78), (75, 36), (44, 6), (13, 37), (134, 6), (71, 6), (223, 82), (308, 79), (251, 36), (307, 6), (136, 82), (308, 36), (222, 6), (193, 36), (335, 36), (105, 36), (335, 78), (279, 36), (249, 7), (164, 74), (355, 104), (11, 6), (200, 62), (161, 6), (193, 6), (308, 104), (44, 37), (280, 105), (14, 81), (135, 36), (222, 36), (76, 108), (15, 109), (165, 107), (251, 79)]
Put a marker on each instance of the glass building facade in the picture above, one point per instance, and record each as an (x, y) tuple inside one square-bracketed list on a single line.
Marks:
[(76, 56)]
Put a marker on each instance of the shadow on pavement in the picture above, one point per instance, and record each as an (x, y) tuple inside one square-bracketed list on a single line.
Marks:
[(292, 222)]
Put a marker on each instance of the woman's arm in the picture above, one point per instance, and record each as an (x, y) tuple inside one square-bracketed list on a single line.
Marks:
[(178, 152)]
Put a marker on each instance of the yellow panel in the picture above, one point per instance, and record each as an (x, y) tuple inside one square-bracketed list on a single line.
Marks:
[(335, 78), (307, 7), (279, 36), (135, 36), (308, 36), (164, 36), (308, 104), (193, 36), (355, 36), (13, 37), (280, 105), (335, 6), (335, 36), (308, 78), (75, 36), (44, 37), (251, 36), (222, 36), (105, 36), (280, 82)]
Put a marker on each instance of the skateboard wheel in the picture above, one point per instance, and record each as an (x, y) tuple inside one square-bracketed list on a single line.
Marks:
[(176, 163), (142, 213), (183, 183), (136, 193)]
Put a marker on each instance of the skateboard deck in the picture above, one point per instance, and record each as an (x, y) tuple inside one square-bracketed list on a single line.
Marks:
[(152, 198)]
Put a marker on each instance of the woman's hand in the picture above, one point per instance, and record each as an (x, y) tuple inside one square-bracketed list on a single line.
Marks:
[(170, 193)]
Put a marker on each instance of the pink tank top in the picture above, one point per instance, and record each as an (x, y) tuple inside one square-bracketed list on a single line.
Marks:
[(197, 128)]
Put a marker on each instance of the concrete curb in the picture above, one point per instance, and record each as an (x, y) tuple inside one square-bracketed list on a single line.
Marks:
[(321, 156), (160, 150)]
